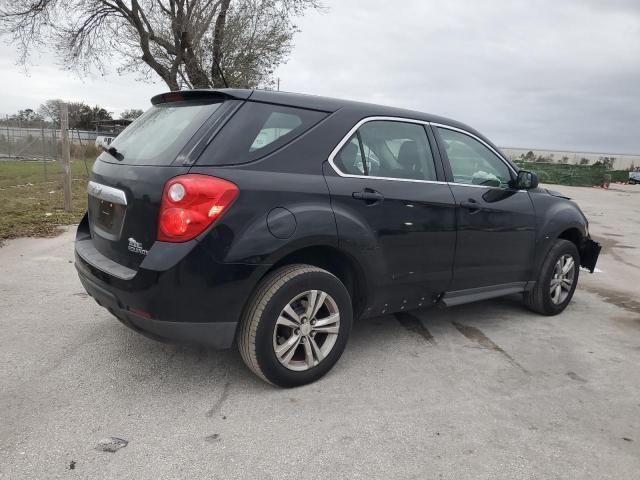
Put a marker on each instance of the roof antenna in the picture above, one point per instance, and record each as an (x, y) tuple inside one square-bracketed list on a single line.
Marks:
[(224, 80)]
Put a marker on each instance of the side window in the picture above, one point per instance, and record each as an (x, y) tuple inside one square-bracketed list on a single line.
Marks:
[(390, 149), (349, 158), (256, 130), (472, 162)]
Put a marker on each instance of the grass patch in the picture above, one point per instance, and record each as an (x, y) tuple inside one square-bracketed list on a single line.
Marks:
[(32, 206)]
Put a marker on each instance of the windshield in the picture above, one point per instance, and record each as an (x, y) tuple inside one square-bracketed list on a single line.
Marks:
[(157, 137)]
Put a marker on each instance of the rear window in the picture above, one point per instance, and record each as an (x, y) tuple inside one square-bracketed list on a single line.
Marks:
[(256, 130), (158, 136)]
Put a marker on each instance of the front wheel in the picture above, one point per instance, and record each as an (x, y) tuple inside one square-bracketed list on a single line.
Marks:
[(557, 280), (296, 325)]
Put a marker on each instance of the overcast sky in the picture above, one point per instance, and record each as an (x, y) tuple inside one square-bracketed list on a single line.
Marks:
[(527, 73)]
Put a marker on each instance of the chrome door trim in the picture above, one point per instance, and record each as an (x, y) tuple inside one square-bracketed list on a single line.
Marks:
[(106, 193), (353, 130)]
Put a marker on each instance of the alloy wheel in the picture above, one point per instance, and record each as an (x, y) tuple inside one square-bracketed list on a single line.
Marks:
[(306, 330), (562, 279)]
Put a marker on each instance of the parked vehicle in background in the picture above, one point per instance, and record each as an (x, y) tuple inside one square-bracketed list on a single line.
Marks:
[(103, 140), (634, 177), (275, 219)]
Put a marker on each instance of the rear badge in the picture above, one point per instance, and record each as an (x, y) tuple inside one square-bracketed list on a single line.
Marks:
[(136, 247)]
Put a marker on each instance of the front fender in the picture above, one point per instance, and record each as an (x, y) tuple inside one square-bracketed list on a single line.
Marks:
[(554, 217)]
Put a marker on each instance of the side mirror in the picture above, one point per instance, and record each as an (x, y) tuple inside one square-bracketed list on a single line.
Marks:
[(526, 180)]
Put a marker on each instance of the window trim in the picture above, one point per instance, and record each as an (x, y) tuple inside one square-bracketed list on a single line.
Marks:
[(475, 137), (355, 128)]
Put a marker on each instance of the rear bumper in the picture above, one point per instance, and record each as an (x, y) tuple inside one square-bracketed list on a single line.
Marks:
[(218, 335), (182, 295)]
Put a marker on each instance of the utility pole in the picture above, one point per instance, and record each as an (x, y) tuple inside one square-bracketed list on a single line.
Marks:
[(66, 153)]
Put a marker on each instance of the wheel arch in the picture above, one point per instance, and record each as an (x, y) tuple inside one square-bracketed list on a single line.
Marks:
[(572, 232), (339, 263), (574, 235), (557, 218)]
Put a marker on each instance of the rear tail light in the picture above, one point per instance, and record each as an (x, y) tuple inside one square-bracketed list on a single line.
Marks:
[(190, 203)]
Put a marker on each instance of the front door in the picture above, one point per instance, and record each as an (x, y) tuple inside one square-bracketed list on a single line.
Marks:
[(496, 223), (391, 209)]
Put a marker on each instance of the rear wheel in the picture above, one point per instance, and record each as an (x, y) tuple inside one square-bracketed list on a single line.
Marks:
[(296, 325), (557, 280)]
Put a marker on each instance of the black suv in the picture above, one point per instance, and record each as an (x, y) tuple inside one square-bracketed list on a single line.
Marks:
[(275, 219)]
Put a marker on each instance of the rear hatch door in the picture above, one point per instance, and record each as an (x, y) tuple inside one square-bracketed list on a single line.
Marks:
[(127, 181)]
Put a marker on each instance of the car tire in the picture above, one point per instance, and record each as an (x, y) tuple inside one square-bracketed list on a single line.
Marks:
[(281, 339), (545, 298)]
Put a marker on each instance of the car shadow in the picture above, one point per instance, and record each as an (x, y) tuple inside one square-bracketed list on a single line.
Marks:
[(191, 366)]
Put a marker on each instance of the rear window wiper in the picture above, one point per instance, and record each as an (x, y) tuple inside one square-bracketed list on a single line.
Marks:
[(113, 151)]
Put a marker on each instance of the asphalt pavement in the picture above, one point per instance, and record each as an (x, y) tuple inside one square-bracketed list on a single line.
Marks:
[(487, 390)]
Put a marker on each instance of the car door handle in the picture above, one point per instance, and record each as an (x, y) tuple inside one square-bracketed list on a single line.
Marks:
[(369, 195), (472, 205)]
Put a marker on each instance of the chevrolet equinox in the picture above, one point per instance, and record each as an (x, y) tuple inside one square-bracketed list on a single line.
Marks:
[(275, 219)]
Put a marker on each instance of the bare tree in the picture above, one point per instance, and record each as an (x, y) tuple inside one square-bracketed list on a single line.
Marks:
[(187, 43), (256, 39)]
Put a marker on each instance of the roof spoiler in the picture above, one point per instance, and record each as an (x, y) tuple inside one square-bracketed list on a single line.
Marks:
[(218, 94)]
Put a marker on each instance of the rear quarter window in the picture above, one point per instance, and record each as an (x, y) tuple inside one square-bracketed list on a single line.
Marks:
[(256, 130)]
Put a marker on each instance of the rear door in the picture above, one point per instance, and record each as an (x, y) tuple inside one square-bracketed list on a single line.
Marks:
[(127, 181), (496, 223), (393, 209)]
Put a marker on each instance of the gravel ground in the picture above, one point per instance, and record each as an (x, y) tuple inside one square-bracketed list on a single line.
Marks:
[(488, 390)]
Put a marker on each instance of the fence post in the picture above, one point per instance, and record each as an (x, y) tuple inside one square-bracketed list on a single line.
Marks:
[(44, 150), (66, 153), (8, 138), (54, 140)]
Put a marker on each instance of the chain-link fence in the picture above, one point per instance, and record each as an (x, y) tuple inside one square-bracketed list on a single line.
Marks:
[(37, 191), (43, 144)]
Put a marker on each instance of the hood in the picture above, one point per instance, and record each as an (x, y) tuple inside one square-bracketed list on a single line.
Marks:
[(553, 193)]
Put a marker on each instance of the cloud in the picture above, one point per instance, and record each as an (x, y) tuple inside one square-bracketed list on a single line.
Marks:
[(45, 79), (531, 73), (526, 73)]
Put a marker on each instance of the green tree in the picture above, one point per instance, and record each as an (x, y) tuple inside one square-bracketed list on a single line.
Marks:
[(81, 115), (606, 161), (26, 118)]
